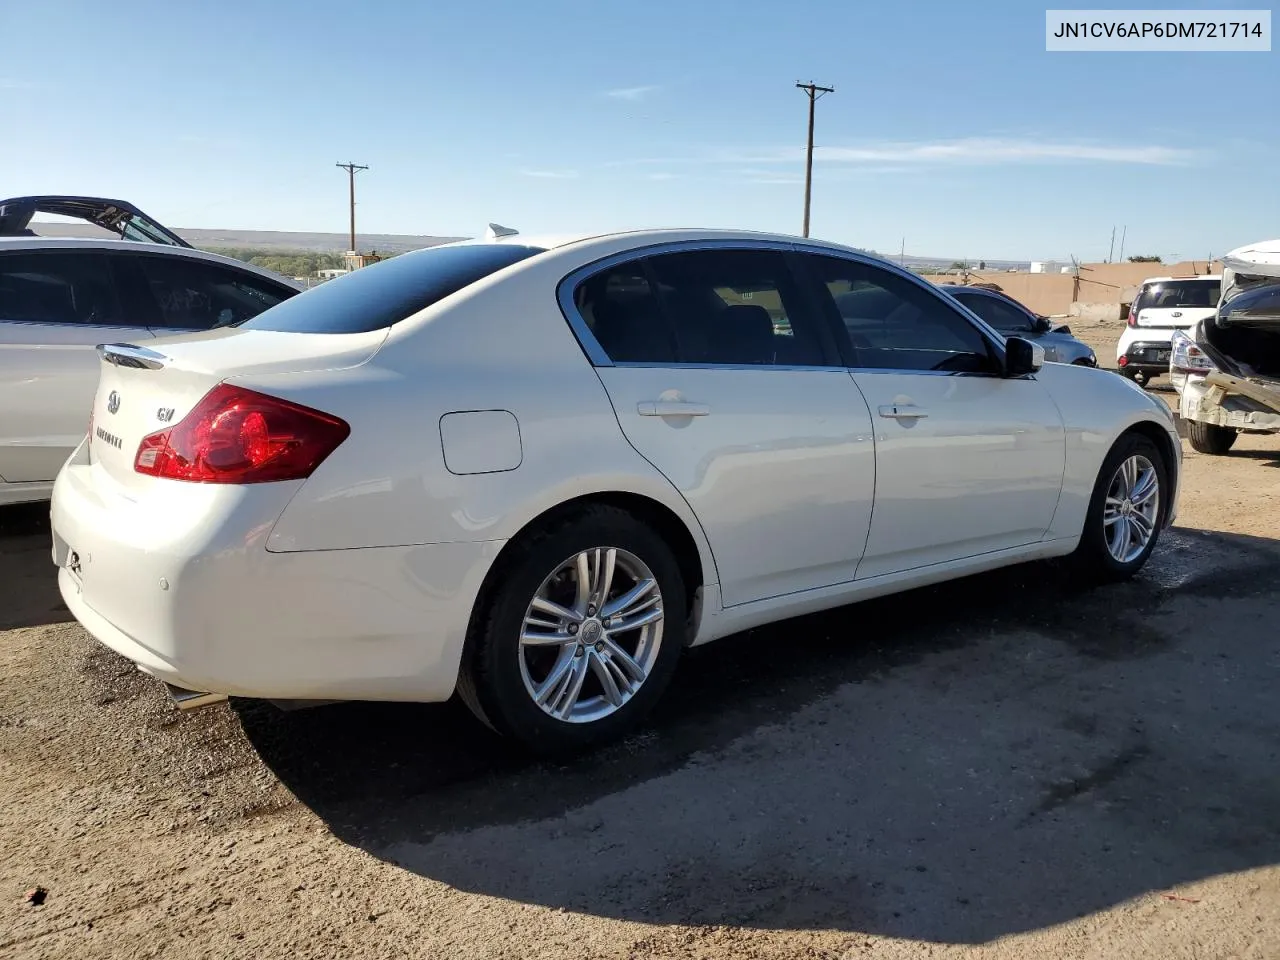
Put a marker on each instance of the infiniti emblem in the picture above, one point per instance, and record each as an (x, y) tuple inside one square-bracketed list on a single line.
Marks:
[(591, 631), (113, 402)]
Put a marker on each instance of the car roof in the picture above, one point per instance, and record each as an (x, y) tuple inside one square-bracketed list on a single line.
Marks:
[(637, 239), (9, 244)]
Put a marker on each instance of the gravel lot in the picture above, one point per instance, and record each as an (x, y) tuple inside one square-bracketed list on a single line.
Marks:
[(1001, 767)]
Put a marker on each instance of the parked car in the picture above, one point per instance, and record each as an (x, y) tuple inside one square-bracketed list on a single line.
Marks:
[(1163, 305), (61, 297), (1226, 369), (536, 470), (1013, 319)]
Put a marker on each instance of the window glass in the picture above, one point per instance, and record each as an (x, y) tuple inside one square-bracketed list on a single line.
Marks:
[(736, 307), (896, 324), (622, 311), (194, 295), (1003, 316), (57, 286), (385, 293), (1169, 294)]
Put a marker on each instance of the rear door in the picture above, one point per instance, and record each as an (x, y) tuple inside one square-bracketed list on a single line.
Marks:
[(723, 377), (56, 305), (182, 294), (967, 461)]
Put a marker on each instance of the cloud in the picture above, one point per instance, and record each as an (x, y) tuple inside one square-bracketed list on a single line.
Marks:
[(971, 151), (631, 93), (550, 174), (662, 176)]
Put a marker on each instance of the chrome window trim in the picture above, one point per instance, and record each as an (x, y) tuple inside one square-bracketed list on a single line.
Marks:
[(596, 354)]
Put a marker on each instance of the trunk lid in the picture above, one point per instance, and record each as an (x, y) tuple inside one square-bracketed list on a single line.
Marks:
[(1173, 318), (145, 389)]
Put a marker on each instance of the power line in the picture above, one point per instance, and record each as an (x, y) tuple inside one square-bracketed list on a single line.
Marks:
[(814, 93), (352, 169)]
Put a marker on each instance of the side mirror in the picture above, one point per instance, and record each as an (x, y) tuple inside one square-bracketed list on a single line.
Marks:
[(1022, 357)]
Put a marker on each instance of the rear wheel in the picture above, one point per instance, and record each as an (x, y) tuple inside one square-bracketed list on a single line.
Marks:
[(1126, 511), (580, 634), (1210, 438)]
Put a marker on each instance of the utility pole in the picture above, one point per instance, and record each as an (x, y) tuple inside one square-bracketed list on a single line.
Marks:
[(352, 169), (815, 93), (1123, 234), (1113, 243), (902, 257)]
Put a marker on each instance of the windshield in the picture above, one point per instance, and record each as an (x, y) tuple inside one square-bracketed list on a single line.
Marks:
[(383, 294), (1173, 294)]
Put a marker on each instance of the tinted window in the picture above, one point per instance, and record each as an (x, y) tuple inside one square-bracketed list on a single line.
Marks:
[(1003, 316), (894, 323), (736, 307), (191, 294), (1170, 294), (623, 313), (57, 287), (385, 293)]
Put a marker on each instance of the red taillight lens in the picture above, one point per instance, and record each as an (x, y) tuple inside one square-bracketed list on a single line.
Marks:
[(1133, 318), (234, 435)]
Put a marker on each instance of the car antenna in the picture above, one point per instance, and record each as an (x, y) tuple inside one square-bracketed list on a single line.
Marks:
[(497, 230)]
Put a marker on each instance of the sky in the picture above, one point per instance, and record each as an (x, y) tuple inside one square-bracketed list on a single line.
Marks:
[(950, 127)]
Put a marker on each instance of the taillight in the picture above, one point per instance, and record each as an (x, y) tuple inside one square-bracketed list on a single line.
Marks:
[(234, 435), (1133, 317), (1186, 357)]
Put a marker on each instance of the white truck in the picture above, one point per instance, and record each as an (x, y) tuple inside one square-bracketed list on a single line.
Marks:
[(1226, 369)]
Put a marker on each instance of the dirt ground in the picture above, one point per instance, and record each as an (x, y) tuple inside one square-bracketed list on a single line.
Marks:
[(1002, 767)]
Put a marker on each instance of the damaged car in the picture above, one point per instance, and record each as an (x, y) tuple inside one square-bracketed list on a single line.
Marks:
[(1226, 369)]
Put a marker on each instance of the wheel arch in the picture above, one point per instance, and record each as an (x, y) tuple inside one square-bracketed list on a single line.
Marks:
[(691, 551)]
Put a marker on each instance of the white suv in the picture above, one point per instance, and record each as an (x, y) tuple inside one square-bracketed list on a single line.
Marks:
[(62, 296), (1162, 306)]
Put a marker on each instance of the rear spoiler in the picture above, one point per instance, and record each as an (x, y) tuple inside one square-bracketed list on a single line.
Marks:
[(131, 355)]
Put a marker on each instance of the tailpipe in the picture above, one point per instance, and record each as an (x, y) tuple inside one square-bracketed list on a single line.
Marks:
[(186, 699)]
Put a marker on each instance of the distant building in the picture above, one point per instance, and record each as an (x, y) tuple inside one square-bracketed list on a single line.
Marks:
[(330, 272)]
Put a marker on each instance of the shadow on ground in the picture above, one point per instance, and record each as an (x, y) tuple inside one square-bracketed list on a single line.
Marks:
[(955, 764), (26, 569)]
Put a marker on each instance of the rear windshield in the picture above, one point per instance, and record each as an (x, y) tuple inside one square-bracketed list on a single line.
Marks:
[(385, 293), (1170, 294)]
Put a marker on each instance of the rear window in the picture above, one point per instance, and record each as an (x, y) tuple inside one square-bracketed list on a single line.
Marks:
[(1171, 294), (378, 296)]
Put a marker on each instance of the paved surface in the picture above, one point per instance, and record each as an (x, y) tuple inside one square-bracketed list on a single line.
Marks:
[(1003, 767)]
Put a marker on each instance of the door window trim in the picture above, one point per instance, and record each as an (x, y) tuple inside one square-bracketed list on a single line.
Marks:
[(994, 340), (596, 354)]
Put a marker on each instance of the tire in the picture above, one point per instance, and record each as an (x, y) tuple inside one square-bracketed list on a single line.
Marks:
[(502, 674), (1094, 558), (1210, 438)]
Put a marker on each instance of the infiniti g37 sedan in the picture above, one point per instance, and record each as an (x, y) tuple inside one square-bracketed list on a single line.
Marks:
[(533, 470)]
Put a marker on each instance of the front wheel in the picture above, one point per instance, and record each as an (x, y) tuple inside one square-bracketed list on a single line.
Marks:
[(1210, 438), (1126, 511), (580, 634)]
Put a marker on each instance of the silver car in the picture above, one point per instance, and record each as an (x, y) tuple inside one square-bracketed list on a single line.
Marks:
[(1012, 319), (62, 296)]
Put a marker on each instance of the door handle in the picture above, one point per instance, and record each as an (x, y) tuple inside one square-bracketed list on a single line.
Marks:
[(903, 411), (671, 408)]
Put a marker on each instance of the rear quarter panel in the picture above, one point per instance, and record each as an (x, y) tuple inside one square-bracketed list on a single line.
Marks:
[(1097, 407), (502, 346)]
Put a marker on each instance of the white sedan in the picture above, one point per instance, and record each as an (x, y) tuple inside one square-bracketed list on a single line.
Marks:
[(534, 470)]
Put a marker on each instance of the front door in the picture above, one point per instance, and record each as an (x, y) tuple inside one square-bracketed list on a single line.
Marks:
[(967, 461), (725, 381)]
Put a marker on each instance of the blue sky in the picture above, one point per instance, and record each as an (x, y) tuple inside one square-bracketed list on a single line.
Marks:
[(950, 124)]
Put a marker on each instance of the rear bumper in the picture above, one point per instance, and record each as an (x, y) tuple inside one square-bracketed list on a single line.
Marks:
[(185, 588)]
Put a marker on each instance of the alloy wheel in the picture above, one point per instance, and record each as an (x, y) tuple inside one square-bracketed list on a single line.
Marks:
[(591, 635), (1132, 509)]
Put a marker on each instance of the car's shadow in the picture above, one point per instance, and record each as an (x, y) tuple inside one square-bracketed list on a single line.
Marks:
[(955, 764), (26, 570)]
